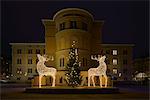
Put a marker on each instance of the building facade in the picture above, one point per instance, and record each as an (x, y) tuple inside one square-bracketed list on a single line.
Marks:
[(68, 25)]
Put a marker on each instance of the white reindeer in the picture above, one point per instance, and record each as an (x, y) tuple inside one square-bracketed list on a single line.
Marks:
[(99, 71), (43, 70)]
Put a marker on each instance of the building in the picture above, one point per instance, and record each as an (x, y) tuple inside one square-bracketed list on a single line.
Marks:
[(67, 25), (141, 65)]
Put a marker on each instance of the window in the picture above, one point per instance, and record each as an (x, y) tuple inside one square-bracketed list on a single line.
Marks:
[(114, 61), (29, 70), (124, 61), (73, 24), (19, 61), (29, 61), (62, 62), (125, 52), (30, 51), (62, 26), (114, 52), (19, 51), (37, 51), (61, 80), (114, 71), (84, 26)]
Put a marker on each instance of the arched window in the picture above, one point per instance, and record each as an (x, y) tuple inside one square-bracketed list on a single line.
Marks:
[(61, 80), (62, 62)]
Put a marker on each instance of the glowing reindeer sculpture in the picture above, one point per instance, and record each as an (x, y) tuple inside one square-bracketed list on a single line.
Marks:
[(99, 71), (43, 70)]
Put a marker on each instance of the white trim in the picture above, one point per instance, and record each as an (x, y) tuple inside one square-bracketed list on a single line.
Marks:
[(67, 9)]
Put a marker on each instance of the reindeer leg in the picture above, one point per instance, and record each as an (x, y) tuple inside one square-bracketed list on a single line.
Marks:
[(89, 81), (40, 79), (93, 81), (53, 85), (100, 78), (105, 80)]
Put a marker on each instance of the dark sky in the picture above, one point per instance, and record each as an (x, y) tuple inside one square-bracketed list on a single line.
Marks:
[(125, 21)]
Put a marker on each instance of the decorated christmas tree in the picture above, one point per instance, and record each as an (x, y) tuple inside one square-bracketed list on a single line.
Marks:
[(73, 77)]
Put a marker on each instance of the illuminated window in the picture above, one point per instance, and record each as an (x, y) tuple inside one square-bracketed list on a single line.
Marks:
[(30, 51), (62, 26), (19, 61), (29, 70), (37, 51), (115, 71), (114, 52), (19, 51), (115, 62), (29, 61), (73, 24)]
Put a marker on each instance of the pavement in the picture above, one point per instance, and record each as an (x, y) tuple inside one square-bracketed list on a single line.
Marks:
[(16, 92)]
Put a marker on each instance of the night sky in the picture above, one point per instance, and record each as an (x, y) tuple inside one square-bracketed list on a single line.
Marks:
[(125, 22)]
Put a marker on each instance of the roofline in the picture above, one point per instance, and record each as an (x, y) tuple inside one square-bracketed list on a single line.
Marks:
[(26, 43), (66, 9), (118, 44)]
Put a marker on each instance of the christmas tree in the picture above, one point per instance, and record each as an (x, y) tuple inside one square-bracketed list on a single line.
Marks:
[(73, 77)]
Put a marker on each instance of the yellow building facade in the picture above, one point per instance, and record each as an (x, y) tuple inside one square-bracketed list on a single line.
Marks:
[(74, 24)]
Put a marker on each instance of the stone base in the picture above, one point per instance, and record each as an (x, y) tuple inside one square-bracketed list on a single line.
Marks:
[(69, 90)]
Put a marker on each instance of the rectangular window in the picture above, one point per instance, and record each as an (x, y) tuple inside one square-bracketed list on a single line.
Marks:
[(115, 62), (29, 61), (73, 24), (114, 71), (37, 51), (62, 26), (114, 52), (19, 51), (19, 61), (29, 70), (30, 51)]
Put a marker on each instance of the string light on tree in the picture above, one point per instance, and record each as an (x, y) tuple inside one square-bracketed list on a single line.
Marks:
[(73, 68)]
